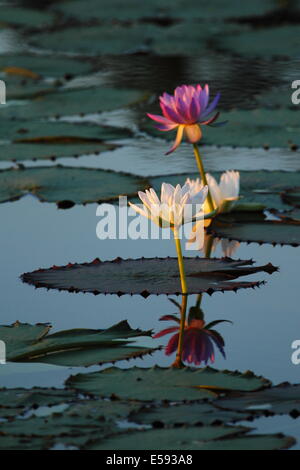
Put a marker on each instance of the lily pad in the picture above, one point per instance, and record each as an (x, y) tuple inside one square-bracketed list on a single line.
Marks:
[(147, 276), (63, 103), (279, 41), (67, 186), (268, 231), (31, 140), (248, 128), (44, 66), (261, 187), (282, 399), (191, 438), (291, 196), (155, 10), (72, 348), (163, 383), (191, 414), (20, 398), (183, 38), (257, 442), (16, 15)]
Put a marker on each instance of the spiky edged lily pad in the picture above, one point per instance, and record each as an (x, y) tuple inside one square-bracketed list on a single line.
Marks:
[(147, 276), (67, 186), (74, 348), (267, 231), (163, 384)]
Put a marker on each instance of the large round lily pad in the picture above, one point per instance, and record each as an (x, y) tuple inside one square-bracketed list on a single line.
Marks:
[(164, 383), (147, 276), (67, 186)]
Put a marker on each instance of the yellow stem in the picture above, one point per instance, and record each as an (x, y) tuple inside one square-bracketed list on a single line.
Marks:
[(203, 176), (178, 361), (180, 262)]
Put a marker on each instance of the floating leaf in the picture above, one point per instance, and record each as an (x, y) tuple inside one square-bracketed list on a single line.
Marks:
[(15, 15), (268, 231), (31, 140), (136, 10), (72, 348), (62, 103), (191, 414), (250, 128), (291, 197), (282, 399), (261, 187), (147, 276), (45, 66), (257, 442), (163, 384), (264, 42), (161, 439), (67, 186), (18, 399)]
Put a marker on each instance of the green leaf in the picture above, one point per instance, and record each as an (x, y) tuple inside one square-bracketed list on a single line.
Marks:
[(161, 439), (257, 442), (47, 66), (72, 348), (63, 103), (268, 231), (136, 10), (67, 186), (259, 187), (291, 197), (147, 276), (18, 399), (27, 17), (163, 383), (264, 42), (282, 399), (248, 128), (34, 140), (191, 414)]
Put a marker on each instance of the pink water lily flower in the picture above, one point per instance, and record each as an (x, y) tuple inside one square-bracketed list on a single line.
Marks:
[(186, 111)]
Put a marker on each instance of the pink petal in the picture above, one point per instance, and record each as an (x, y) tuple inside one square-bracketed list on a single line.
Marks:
[(160, 119), (209, 121), (165, 332), (177, 140), (171, 114)]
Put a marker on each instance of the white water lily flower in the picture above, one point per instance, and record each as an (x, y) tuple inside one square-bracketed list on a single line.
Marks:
[(171, 209), (226, 191)]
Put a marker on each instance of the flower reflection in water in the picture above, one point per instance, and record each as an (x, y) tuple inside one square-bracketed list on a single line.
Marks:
[(199, 338)]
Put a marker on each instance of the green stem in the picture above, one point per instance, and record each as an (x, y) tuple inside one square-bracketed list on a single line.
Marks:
[(178, 361), (180, 262), (203, 176)]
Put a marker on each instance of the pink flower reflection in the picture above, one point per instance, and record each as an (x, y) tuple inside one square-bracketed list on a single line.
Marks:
[(199, 340)]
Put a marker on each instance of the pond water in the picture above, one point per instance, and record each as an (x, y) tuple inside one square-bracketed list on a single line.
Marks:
[(264, 322)]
